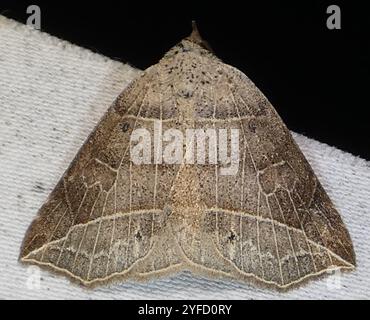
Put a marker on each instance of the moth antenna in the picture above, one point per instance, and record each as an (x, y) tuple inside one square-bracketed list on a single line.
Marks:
[(195, 35)]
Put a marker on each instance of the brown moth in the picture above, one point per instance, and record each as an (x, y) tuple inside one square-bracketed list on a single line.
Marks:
[(109, 218)]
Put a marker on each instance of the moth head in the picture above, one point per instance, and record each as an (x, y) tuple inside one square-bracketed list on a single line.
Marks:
[(193, 43), (196, 38)]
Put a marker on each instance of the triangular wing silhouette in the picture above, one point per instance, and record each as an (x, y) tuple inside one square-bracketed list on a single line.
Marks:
[(109, 218)]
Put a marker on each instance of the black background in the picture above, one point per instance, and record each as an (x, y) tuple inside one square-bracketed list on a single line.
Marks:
[(317, 79)]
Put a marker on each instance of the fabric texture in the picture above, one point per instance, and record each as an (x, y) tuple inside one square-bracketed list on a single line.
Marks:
[(52, 94)]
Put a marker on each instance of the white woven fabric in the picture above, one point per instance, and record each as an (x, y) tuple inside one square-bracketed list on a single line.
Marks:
[(52, 94)]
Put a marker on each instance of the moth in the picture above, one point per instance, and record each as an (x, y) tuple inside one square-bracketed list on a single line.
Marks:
[(112, 217)]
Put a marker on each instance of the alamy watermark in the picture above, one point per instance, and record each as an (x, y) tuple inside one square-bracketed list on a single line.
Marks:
[(334, 282), (197, 146), (33, 281), (334, 20), (34, 18)]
